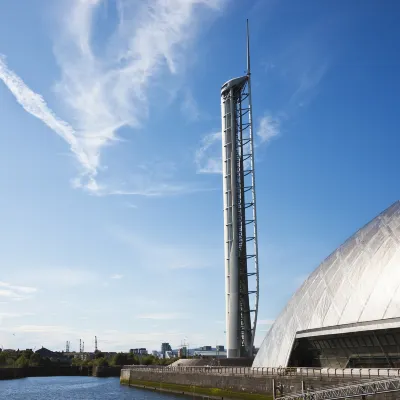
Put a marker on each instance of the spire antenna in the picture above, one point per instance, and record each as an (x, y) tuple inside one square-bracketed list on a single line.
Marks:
[(248, 48)]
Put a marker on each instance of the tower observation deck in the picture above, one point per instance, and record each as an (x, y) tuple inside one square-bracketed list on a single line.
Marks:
[(240, 217)]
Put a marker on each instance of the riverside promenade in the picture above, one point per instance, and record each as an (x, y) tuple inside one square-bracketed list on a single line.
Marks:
[(246, 382)]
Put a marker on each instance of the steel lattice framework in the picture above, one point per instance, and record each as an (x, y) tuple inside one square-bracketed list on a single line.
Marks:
[(355, 390), (240, 219)]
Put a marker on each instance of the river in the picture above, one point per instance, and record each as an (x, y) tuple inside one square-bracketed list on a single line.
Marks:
[(74, 388)]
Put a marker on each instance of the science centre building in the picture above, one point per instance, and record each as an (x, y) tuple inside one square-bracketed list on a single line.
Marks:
[(347, 313)]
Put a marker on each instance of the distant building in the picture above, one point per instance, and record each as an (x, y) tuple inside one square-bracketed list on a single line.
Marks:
[(164, 348), (155, 353), (141, 351), (183, 352), (206, 348), (54, 356), (210, 354)]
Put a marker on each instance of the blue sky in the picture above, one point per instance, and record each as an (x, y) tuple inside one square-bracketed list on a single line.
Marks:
[(111, 206)]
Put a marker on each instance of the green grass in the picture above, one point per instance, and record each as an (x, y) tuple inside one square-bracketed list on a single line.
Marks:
[(197, 390)]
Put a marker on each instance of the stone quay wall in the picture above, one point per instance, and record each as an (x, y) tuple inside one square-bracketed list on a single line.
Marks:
[(240, 380)]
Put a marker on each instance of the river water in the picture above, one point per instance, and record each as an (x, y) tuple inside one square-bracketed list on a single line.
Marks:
[(74, 388)]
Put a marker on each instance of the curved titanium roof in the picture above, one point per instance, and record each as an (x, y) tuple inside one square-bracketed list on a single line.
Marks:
[(358, 282)]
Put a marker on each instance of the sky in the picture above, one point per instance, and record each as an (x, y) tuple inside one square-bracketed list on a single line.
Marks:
[(110, 158)]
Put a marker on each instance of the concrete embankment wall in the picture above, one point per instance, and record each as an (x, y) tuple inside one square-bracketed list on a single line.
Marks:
[(231, 383), (237, 384)]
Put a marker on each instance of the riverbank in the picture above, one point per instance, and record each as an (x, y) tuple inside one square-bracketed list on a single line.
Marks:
[(214, 386), (31, 372), (194, 391)]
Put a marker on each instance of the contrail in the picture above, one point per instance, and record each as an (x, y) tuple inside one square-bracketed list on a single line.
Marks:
[(35, 105)]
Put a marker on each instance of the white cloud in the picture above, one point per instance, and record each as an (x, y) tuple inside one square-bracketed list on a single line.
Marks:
[(59, 276), (107, 89), (268, 128), (35, 105), (208, 157), (13, 292), (168, 256), (14, 315), (308, 83), (117, 276), (105, 93), (40, 328), (190, 107), (162, 316), (265, 322)]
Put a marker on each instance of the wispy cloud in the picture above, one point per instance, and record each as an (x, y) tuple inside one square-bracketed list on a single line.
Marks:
[(35, 105), (61, 277), (265, 322), (189, 107), (107, 89), (268, 128), (117, 276), (208, 157), (168, 256), (107, 92), (14, 292), (308, 84), (163, 316)]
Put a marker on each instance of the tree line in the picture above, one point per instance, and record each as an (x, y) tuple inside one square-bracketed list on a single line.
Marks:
[(28, 358), (22, 358), (119, 359)]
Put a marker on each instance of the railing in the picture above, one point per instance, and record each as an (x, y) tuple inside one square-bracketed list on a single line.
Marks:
[(300, 372), (360, 389)]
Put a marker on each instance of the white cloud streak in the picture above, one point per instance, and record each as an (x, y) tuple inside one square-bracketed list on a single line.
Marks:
[(208, 157), (117, 276), (265, 322), (168, 256), (34, 104), (190, 107), (14, 292), (105, 93), (107, 88), (268, 128), (162, 316)]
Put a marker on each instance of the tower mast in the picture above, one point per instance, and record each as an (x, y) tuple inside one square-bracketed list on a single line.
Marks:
[(240, 227)]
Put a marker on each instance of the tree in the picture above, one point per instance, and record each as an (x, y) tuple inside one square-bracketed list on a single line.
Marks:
[(35, 359), (27, 353), (22, 362), (132, 359), (98, 354), (101, 362), (148, 360), (119, 359)]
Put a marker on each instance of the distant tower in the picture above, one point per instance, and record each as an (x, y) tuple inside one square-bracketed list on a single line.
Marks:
[(67, 346), (80, 345), (240, 218), (83, 347), (95, 343)]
